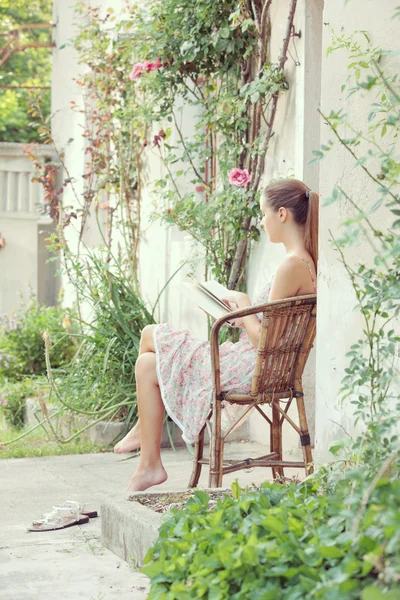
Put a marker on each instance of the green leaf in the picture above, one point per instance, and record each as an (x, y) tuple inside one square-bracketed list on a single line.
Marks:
[(338, 445), (255, 97), (273, 524), (330, 551), (372, 593), (236, 491)]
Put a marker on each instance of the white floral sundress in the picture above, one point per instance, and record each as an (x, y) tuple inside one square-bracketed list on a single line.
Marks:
[(185, 377)]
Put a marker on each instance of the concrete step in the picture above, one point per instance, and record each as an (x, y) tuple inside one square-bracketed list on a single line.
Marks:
[(129, 529)]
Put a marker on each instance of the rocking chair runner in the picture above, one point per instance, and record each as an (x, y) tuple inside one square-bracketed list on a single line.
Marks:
[(287, 336)]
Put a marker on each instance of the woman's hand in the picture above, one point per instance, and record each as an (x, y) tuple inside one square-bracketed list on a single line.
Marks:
[(250, 323), (240, 299), (239, 323)]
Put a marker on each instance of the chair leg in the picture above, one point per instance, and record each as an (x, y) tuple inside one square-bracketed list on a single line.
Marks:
[(216, 449), (276, 439), (198, 455), (305, 436)]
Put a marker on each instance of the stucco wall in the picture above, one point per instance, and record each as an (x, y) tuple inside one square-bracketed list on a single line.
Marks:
[(339, 325)]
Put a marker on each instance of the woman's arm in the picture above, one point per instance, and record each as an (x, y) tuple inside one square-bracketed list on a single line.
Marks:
[(251, 323)]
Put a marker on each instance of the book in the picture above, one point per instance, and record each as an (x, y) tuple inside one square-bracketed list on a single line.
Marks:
[(208, 296)]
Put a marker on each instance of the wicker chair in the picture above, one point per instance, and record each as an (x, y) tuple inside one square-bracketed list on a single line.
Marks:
[(287, 336)]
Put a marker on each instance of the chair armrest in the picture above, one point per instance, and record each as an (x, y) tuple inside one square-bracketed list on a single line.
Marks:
[(214, 345)]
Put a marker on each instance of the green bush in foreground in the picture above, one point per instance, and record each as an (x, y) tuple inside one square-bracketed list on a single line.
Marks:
[(276, 543)]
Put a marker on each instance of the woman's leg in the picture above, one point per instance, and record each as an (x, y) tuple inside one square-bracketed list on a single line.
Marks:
[(150, 470), (131, 441)]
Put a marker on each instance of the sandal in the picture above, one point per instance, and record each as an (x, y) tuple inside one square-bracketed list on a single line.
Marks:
[(62, 516), (57, 520), (74, 505)]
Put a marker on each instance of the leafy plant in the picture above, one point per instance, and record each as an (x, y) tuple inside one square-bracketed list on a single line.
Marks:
[(21, 341), (27, 72), (212, 58), (13, 395), (275, 543), (101, 377)]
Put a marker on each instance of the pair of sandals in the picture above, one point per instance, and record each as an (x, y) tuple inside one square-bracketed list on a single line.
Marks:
[(63, 516)]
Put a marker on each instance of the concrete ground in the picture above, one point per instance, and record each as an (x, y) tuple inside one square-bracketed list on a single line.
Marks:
[(72, 564)]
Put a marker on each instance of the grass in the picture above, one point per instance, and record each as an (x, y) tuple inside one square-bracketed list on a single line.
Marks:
[(38, 443)]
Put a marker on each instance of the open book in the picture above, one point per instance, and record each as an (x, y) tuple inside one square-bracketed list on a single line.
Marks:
[(208, 296)]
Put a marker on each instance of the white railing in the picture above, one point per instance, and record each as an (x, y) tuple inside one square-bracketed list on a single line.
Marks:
[(23, 230), (19, 196)]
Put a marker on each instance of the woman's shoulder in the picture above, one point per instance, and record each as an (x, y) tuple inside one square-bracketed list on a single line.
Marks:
[(296, 263), (294, 275)]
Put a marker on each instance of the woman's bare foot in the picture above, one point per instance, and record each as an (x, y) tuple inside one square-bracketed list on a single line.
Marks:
[(145, 478), (129, 443)]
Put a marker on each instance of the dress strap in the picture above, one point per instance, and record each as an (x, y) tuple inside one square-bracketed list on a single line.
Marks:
[(310, 269)]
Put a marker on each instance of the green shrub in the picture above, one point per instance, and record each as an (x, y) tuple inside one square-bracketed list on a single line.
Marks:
[(21, 342), (276, 543), (101, 376), (12, 400)]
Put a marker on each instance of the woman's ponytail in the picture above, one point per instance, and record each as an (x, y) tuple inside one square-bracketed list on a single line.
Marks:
[(311, 226)]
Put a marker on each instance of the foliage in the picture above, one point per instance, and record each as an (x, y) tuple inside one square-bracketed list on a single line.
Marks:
[(31, 67), (21, 341), (100, 380), (274, 544), (12, 400), (211, 58)]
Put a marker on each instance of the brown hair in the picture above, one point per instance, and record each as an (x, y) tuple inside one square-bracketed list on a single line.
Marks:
[(295, 196)]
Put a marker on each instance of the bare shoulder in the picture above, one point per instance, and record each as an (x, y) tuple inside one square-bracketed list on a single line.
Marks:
[(292, 278), (286, 280), (291, 265)]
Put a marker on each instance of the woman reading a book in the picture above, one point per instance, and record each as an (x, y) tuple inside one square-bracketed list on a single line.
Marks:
[(173, 370)]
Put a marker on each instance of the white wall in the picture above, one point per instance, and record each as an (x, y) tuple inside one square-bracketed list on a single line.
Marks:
[(338, 324)]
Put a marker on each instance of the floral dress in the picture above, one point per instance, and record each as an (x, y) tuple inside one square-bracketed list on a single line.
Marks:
[(185, 376)]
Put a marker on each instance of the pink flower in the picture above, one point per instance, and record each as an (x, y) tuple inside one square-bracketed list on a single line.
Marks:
[(239, 177), (157, 64), (146, 67), (137, 71)]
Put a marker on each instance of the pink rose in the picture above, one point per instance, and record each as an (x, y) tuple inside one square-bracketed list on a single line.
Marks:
[(239, 177), (137, 71), (157, 64), (146, 67)]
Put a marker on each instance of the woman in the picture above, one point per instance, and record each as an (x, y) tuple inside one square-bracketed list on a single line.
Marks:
[(173, 370)]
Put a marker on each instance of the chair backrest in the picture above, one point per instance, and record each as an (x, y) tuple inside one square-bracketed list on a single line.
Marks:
[(287, 336)]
